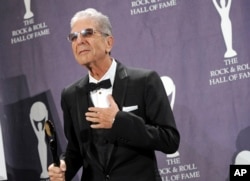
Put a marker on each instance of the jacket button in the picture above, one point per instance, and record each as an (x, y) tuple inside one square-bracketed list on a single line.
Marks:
[(107, 177)]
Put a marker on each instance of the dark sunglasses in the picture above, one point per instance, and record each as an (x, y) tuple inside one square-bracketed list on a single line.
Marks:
[(86, 33)]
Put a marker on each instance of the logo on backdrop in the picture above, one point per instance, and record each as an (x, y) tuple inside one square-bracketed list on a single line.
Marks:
[(30, 29), (147, 6), (232, 70), (3, 174), (38, 116), (243, 147), (169, 86), (28, 13), (175, 170), (243, 158), (223, 9)]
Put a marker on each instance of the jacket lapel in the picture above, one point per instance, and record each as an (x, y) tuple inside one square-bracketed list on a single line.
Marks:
[(119, 91), (83, 101), (120, 85)]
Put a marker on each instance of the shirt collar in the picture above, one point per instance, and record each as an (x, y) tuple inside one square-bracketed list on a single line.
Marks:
[(110, 74)]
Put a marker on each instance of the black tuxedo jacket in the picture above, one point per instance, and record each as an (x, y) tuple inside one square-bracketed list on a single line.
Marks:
[(144, 124)]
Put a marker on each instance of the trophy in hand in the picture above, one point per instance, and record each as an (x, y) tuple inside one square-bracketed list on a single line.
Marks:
[(51, 136)]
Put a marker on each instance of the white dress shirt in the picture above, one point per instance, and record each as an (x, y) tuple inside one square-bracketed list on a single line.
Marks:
[(99, 97)]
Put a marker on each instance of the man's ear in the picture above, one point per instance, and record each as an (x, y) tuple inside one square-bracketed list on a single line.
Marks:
[(109, 43)]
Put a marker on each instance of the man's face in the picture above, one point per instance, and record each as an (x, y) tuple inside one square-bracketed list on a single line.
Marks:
[(91, 48)]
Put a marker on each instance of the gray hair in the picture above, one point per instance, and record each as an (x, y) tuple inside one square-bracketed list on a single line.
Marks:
[(102, 20)]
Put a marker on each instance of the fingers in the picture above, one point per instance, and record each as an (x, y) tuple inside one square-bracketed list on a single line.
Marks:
[(57, 173), (102, 117), (63, 165), (99, 119), (93, 117)]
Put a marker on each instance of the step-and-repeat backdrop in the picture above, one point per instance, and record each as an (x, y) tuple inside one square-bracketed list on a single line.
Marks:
[(199, 48)]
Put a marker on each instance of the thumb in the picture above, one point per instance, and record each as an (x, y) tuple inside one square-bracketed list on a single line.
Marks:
[(63, 165)]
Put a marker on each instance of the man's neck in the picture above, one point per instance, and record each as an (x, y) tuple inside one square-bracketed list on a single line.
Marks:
[(98, 69)]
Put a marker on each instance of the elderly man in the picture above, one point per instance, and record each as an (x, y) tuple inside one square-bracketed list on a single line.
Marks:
[(116, 117)]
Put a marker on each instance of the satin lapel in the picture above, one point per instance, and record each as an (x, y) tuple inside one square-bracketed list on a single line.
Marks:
[(83, 102), (119, 91), (120, 85), (82, 99)]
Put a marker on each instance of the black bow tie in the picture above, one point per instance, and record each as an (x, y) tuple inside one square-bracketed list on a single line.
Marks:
[(105, 84)]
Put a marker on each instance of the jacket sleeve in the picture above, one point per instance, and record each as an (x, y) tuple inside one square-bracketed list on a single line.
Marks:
[(72, 156)]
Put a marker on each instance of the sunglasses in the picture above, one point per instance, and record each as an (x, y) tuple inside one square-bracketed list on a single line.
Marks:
[(85, 33)]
